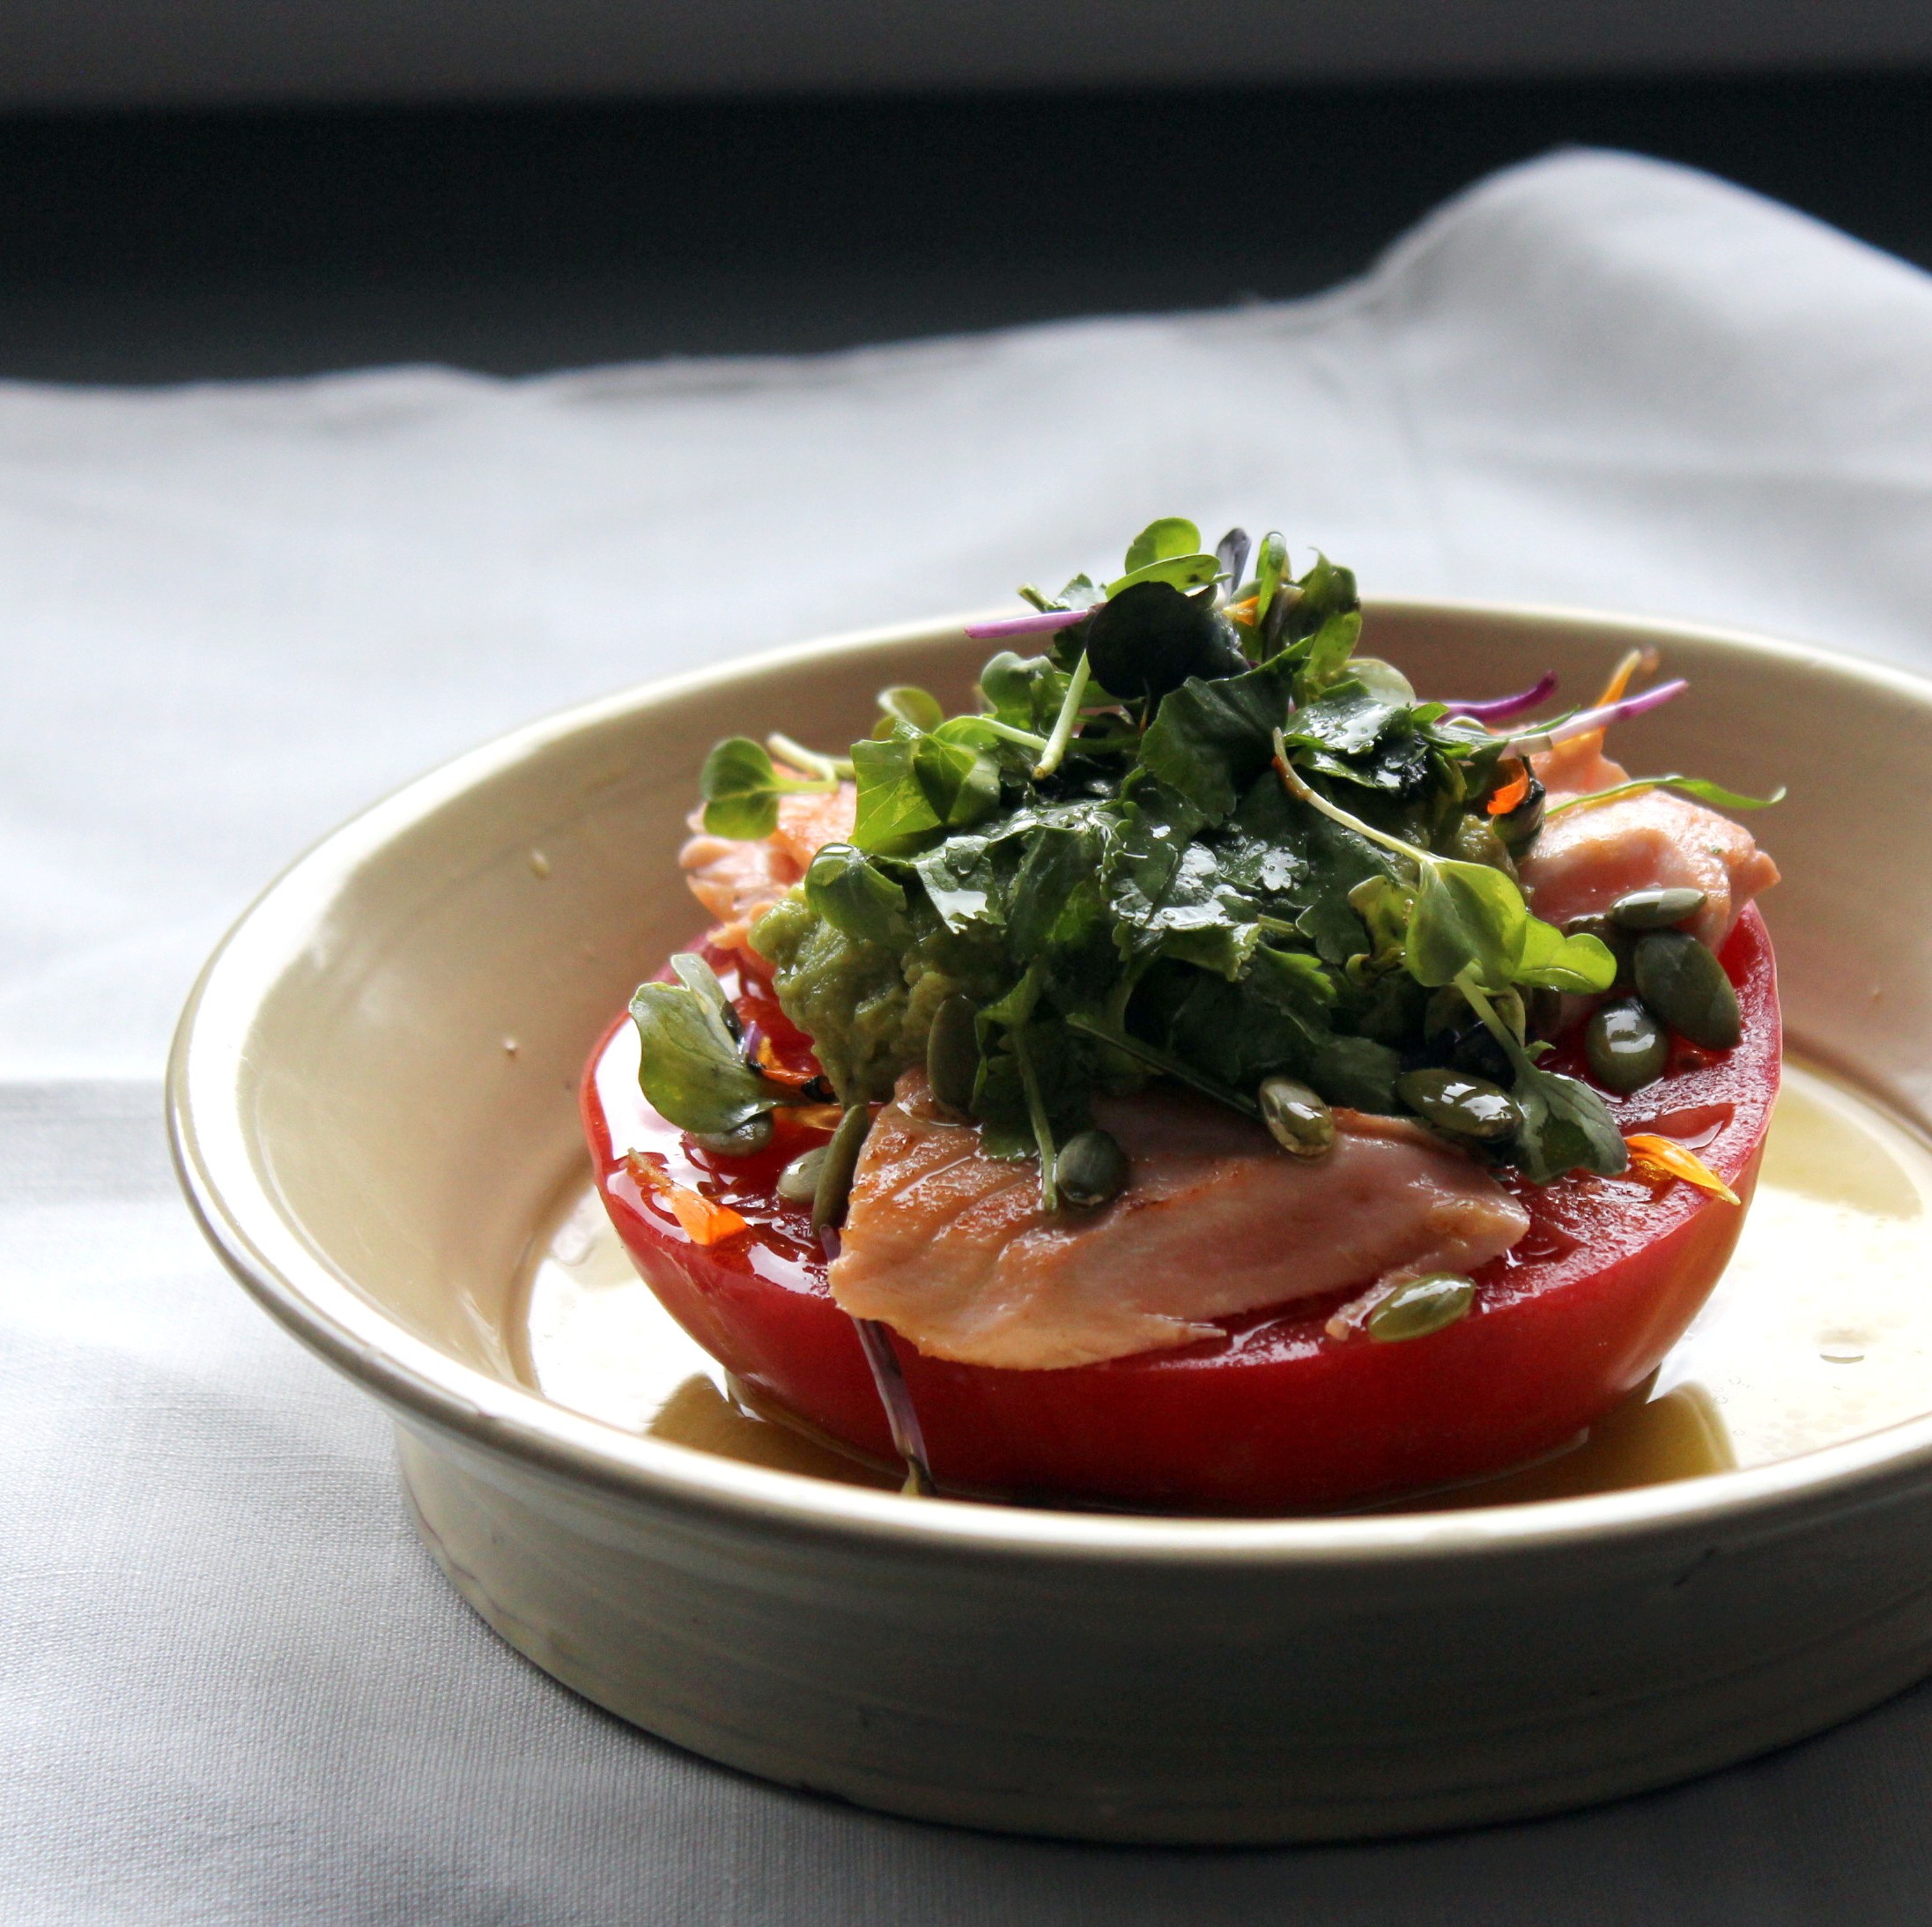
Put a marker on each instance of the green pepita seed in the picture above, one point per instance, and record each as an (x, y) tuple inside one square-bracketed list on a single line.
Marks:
[(1091, 1168), (841, 1161), (1656, 909), (1298, 1119), (1459, 1102), (1683, 985), (798, 1181), (1420, 1306), (953, 1055), (1627, 1048), (746, 1141)]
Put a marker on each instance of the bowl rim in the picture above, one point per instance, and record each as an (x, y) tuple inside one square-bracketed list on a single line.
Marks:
[(210, 1139)]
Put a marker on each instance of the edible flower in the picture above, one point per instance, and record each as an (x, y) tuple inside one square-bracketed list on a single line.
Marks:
[(703, 1221), (1665, 1159)]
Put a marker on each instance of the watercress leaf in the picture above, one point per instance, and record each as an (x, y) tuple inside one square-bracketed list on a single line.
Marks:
[(916, 708), (1055, 903), (855, 897), (1294, 980), (1566, 1127), (740, 790), (1348, 719), (893, 815), (1326, 591), (1171, 535), (1150, 638), (962, 882), (961, 784), (1550, 961), (1211, 739), (1465, 916), (1177, 572), (1080, 593), (690, 1069)]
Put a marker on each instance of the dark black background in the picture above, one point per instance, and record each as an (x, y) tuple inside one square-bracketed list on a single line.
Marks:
[(169, 247)]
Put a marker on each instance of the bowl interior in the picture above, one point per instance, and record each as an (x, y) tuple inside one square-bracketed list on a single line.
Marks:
[(376, 1085)]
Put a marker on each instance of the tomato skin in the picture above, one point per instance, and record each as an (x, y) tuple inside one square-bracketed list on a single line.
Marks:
[(1275, 1417)]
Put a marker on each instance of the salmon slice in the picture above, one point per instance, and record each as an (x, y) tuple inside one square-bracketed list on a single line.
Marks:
[(1587, 857), (736, 880), (952, 1248)]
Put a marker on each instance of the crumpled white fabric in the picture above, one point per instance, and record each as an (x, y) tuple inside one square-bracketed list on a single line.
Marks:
[(233, 1689)]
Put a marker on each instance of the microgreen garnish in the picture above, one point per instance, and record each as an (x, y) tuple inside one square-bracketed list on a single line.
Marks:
[(1198, 837), (740, 788), (1714, 794)]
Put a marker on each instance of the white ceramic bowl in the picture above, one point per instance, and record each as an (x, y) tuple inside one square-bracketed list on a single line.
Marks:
[(372, 1159)]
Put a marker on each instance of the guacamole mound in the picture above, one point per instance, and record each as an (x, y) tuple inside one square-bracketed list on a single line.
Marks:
[(866, 1009)]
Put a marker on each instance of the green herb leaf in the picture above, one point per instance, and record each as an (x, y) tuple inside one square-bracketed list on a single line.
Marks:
[(1271, 565), (914, 707), (1566, 1127), (690, 1069), (740, 790), (1211, 739), (1176, 571), (1170, 535), (855, 897), (1714, 794), (894, 814), (1551, 961), (1023, 692), (1466, 916), (961, 784)]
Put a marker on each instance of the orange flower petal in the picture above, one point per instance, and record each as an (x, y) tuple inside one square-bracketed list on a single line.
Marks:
[(1511, 794), (703, 1222), (1664, 1158)]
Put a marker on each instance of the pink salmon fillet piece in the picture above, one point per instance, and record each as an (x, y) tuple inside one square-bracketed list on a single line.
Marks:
[(736, 880), (1587, 857), (952, 1248)]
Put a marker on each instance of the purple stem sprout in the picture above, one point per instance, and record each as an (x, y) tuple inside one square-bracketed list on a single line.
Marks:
[(1506, 708), (1586, 720), (1038, 624)]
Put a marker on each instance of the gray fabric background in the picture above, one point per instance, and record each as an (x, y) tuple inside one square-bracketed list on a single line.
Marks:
[(232, 1688)]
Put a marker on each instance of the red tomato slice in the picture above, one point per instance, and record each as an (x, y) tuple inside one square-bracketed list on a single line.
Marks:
[(1275, 1416)]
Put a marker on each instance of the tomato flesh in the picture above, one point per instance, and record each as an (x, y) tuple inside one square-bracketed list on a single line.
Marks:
[(1273, 1416)]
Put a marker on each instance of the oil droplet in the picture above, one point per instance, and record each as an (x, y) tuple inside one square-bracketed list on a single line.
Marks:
[(1841, 1352), (539, 863), (509, 1047)]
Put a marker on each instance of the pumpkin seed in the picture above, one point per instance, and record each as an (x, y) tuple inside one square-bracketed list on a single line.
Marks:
[(952, 1054), (841, 1161), (1420, 1306), (1683, 985), (1626, 1047), (1298, 1118), (1656, 909), (798, 1181), (1091, 1168), (751, 1137), (1462, 1104)]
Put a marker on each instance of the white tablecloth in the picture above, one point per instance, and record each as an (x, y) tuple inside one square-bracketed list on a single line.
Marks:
[(233, 1689)]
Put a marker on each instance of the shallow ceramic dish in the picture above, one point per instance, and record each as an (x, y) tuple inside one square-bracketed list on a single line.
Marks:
[(371, 1101)]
